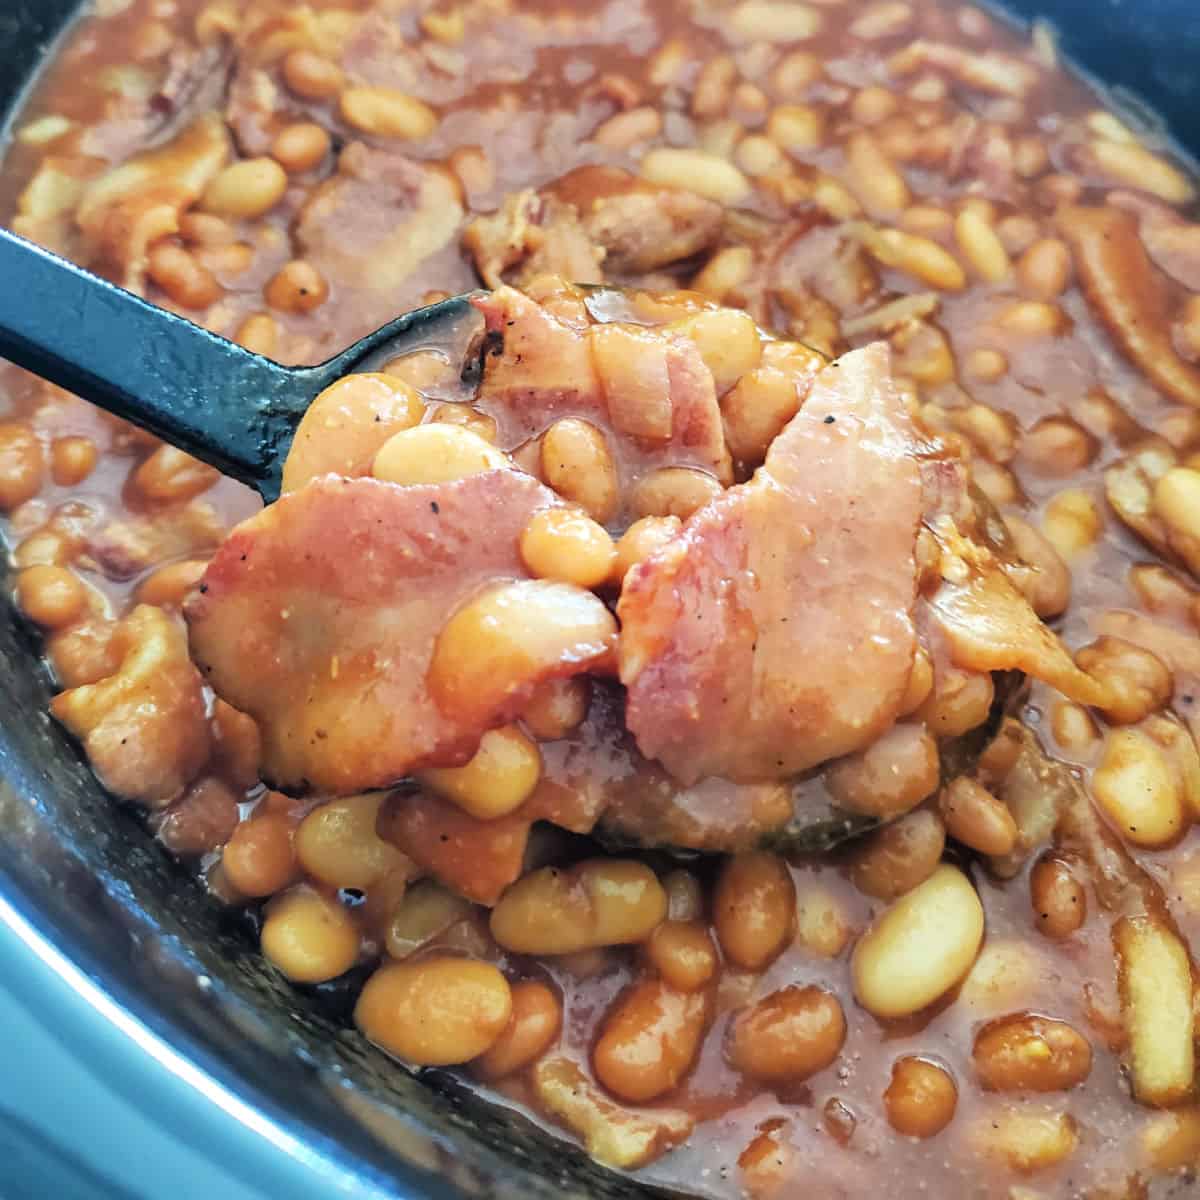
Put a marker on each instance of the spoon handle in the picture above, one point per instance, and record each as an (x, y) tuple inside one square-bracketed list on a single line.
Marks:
[(208, 396)]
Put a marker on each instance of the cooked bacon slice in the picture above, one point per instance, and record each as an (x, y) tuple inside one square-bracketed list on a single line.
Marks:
[(776, 631), (194, 84), (536, 235), (1121, 287), (478, 859), (990, 626), (639, 226), (373, 222), (318, 617), (551, 368)]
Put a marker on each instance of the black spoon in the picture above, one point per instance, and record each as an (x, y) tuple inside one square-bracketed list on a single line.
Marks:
[(233, 409)]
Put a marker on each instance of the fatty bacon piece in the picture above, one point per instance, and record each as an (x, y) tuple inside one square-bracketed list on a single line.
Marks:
[(320, 617), (776, 631), (990, 626), (649, 387), (1130, 298)]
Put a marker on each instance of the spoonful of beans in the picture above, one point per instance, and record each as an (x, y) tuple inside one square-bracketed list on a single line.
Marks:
[(235, 410), (424, 553)]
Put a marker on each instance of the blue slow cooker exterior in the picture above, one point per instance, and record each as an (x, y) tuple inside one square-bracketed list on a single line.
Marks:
[(142, 1055)]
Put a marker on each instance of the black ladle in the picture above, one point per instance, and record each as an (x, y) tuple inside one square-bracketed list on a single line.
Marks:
[(221, 403)]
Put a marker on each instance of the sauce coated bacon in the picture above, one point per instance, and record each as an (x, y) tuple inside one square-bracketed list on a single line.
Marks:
[(776, 632), (319, 618), (652, 390)]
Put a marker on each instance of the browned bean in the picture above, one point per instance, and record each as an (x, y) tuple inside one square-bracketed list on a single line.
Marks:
[(534, 1025), (892, 776), (169, 586), (52, 596), (642, 539), (598, 902), (1057, 446), (1138, 682), (921, 1098), (1044, 270), (1059, 899), (72, 460), (298, 287), (976, 818), (1031, 1053), (21, 464), (312, 76), (649, 1040), (259, 859), (787, 1036), (300, 147), (184, 279), (898, 857), (673, 492), (682, 952), (1047, 583), (754, 908), (556, 707), (577, 463), (309, 937), (960, 701), (169, 475), (436, 1011)]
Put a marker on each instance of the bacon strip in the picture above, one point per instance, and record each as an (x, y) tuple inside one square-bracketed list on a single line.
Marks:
[(318, 617), (776, 631)]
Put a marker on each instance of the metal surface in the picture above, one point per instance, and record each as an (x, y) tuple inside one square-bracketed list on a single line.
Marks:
[(233, 409), (116, 956)]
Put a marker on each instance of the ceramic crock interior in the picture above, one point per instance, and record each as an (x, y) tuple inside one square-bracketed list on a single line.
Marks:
[(105, 894)]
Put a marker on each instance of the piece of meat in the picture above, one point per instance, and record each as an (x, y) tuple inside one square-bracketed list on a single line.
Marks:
[(547, 370), (1172, 242), (126, 547), (776, 631), (478, 859), (639, 226), (144, 727), (537, 235), (253, 109), (975, 618), (991, 627), (194, 84), (377, 219), (126, 209), (319, 618), (1123, 290), (1175, 248)]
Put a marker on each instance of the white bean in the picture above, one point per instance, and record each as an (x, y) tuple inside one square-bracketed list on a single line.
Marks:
[(1136, 789), (920, 947)]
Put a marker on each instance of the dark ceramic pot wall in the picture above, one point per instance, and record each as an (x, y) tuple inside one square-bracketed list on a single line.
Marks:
[(268, 1075)]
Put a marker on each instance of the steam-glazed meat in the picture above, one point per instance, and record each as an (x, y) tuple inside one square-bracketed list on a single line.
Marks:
[(776, 632), (319, 618)]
